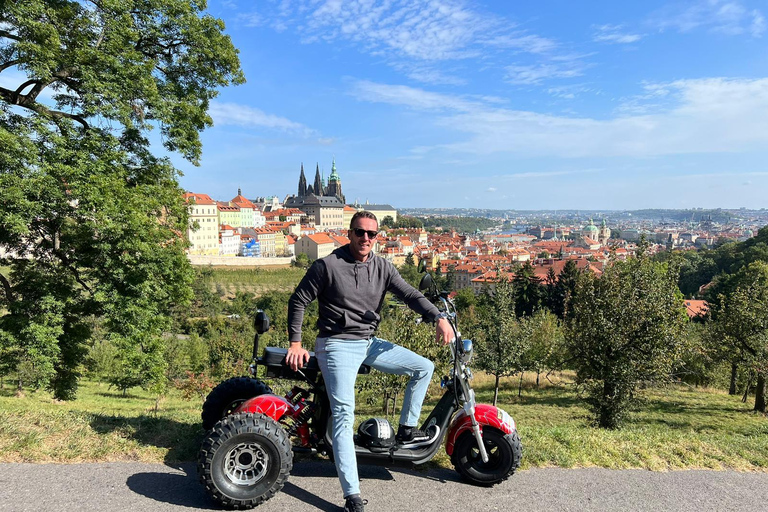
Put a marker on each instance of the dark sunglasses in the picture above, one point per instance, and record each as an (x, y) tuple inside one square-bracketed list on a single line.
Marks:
[(359, 232)]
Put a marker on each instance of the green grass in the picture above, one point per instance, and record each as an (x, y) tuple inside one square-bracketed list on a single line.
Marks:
[(676, 428), (101, 425), (228, 281)]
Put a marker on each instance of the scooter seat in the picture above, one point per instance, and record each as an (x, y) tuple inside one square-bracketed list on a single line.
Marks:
[(274, 360)]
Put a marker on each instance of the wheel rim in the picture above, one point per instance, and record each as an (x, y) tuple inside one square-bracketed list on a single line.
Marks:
[(246, 463), (494, 456)]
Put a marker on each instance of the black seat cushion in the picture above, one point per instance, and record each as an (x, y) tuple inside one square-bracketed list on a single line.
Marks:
[(274, 358)]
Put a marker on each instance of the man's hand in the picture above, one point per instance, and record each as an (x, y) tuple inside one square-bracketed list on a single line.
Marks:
[(297, 356), (444, 331)]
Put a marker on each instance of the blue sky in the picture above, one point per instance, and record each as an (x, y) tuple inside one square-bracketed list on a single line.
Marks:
[(507, 104)]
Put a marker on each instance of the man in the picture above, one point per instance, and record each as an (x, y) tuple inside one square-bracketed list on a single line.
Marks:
[(350, 285)]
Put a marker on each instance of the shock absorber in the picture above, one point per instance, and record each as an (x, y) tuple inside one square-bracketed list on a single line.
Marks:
[(303, 412)]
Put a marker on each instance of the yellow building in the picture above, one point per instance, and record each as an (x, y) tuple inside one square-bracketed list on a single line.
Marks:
[(203, 230), (229, 215), (266, 239)]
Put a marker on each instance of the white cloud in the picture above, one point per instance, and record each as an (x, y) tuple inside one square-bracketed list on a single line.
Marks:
[(411, 97), (529, 43), (614, 34), (698, 116), (535, 74), (729, 17), (757, 28), (421, 29), (492, 189), (242, 115)]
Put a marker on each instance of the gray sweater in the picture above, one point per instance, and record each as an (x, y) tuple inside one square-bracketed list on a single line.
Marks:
[(350, 295)]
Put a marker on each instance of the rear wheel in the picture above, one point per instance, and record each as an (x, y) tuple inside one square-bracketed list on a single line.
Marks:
[(245, 460), (504, 454), (227, 396)]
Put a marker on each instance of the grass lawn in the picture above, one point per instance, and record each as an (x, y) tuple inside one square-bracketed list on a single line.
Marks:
[(230, 280), (676, 428)]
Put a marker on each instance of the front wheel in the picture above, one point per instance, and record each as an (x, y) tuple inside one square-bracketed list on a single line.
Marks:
[(245, 460), (504, 454)]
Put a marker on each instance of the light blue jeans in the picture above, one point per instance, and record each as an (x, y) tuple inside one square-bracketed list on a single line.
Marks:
[(339, 362)]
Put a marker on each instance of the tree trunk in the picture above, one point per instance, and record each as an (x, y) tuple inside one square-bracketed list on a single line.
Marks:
[(607, 409), (496, 391), (760, 393), (520, 386), (538, 374), (746, 389), (734, 374)]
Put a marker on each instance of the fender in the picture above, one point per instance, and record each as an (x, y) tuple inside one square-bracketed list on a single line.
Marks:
[(273, 406), (486, 415)]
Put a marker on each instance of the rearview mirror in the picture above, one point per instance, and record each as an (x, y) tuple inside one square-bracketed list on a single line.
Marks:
[(422, 265), (261, 323), (426, 283)]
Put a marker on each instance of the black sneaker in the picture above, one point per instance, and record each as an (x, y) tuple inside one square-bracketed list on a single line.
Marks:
[(409, 435), (355, 504)]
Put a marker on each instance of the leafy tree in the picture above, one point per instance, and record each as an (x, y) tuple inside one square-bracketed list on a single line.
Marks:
[(626, 327), (388, 221), (410, 273), (565, 288), (501, 342), (93, 220), (741, 323), (544, 346), (528, 291), (301, 261)]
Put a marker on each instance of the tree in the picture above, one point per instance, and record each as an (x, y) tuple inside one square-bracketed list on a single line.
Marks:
[(565, 288), (93, 221), (302, 261), (501, 342), (388, 221), (741, 324), (544, 342), (627, 326), (528, 291)]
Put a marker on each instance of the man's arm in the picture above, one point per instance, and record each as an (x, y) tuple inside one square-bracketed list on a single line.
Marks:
[(307, 291)]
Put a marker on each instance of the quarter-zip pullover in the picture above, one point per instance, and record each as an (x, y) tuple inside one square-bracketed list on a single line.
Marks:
[(350, 295)]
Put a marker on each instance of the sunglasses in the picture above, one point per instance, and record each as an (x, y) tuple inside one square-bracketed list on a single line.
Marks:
[(359, 232)]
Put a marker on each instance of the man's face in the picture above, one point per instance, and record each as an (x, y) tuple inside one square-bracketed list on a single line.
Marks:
[(361, 246)]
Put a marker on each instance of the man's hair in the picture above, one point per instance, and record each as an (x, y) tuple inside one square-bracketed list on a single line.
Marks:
[(362, 214)]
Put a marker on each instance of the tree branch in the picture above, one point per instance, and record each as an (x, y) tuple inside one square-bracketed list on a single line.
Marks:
[(9, 35), (10, 63), (24, 100)]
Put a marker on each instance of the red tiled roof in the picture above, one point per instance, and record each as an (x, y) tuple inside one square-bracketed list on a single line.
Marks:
[(696, 308), (198, 198)]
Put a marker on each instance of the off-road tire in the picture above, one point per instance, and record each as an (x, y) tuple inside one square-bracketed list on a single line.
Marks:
[(227, 396), (504, 454), (244, 460)]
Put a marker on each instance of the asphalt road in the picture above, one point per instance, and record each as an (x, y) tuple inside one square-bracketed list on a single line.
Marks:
[(313, 486)]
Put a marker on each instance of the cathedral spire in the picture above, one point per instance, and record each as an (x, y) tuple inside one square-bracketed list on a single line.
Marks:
[(318, 187), (302, 182)]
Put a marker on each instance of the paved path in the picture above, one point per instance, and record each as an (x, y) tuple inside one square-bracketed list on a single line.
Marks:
[(313, 486)]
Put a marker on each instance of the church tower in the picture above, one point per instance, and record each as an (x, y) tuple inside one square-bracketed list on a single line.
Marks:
[(302, 183), (334, 184), (318, 188)]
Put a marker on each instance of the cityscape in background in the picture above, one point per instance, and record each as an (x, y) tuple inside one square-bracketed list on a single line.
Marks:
[(314, 221)]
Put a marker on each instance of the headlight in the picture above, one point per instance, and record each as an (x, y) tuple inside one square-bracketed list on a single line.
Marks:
[(466, 354)]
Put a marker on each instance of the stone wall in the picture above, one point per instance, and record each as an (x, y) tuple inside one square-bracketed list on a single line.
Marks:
[(236, 261)]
